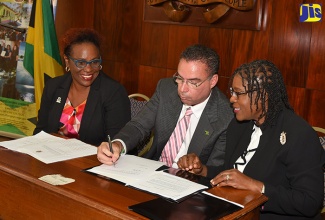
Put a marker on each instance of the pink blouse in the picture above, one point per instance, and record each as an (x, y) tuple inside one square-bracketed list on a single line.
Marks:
[(71, 119)]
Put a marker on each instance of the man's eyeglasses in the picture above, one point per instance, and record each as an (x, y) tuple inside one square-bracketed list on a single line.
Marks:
[(180, 80), (237, 94), (95, 63)]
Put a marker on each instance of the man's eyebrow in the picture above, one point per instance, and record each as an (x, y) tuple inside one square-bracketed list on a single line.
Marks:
[(188, 79)]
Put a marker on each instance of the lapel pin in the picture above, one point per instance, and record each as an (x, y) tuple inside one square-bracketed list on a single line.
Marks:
[(206, 132), (283, 138), (58, 100)]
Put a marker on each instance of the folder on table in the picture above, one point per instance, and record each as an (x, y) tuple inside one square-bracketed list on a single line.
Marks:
[(199, 206)]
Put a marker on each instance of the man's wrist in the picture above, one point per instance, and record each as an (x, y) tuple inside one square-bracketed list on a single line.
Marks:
[(204, 171), (121, 145)]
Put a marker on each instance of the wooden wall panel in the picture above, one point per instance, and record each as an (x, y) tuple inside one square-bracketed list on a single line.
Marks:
[(179, 39), (125, 73), (148, 79), (247, 45), (72, 13), (128, 31), (316, 75), (223, 85), (105, 22), (220, 40), (252, 45), (154, 44), (139, 53), (289, 43), (297, 97), (315, 107)]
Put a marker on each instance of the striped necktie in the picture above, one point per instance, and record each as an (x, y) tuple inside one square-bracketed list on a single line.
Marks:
[(176, 139)]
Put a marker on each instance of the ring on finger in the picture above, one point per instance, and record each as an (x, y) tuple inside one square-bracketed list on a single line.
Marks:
[(227, 177)]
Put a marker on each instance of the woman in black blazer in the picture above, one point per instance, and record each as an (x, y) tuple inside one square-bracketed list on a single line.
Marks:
[(269, 148), (84, 103)]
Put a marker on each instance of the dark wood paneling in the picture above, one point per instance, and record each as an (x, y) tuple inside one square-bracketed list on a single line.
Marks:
[(316, 75), (289, 43), (129, 31), (129, 76), (105, 22), (138, 53), (220, 40), (223, 85), (148, 79), (154, 44), (179, 39), (73, 13), (125, 73), (315, 107), (297, 99), (171, 72)]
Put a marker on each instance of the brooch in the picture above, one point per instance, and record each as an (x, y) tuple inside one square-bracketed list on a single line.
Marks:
[(58, 100), (283, 138), (206, 132)]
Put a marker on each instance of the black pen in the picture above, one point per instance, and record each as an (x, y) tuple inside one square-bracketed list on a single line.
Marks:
[(110, 145)]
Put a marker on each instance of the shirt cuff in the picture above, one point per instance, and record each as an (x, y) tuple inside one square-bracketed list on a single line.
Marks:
[(123, 152)]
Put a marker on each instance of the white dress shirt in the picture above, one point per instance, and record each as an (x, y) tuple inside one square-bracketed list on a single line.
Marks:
[(195, 117), (251, 149)]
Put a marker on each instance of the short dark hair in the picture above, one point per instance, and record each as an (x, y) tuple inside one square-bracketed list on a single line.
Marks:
[(77, 36), (263, 77), (203, 54)]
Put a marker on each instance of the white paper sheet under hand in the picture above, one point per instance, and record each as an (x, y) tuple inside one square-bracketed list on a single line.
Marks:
[(167, 185), (128, 168), (49, 149)]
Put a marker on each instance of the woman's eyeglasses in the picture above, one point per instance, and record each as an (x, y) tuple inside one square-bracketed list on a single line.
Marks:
[(95, 63), (237, 94)]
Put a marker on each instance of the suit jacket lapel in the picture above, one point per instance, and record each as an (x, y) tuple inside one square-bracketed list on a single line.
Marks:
[(92, 100), (201, 135), (60, 98), (206, 125), (172, 111), (242, 142)]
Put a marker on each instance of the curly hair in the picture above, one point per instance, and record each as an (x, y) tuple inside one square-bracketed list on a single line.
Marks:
[(77, 36), (264, 78), (203, 54)]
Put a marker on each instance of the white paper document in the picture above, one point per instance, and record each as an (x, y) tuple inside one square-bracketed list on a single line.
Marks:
[(49, 149), (140, 173), (167, 185), (128, 168)]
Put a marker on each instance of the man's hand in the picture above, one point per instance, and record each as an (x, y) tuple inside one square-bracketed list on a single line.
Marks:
[(192, 163), (105, 156)]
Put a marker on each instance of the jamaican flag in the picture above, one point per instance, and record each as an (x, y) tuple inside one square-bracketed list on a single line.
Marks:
[(42, 57)]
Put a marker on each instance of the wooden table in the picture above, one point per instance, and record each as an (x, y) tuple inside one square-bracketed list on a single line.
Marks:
[(24, 196)]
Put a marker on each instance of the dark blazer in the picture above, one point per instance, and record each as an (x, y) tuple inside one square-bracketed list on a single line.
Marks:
[(161, 114), (292, 173), (107, 109)]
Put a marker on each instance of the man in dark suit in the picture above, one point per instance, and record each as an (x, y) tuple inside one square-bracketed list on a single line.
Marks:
[(194, 86)]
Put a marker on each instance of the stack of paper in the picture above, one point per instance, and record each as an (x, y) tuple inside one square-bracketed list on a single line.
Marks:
[(140, 173), (49, 149)]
